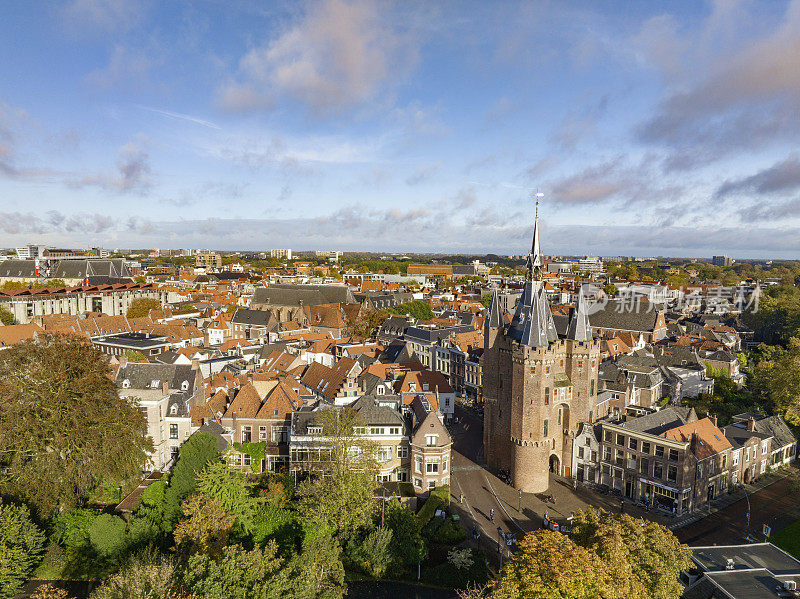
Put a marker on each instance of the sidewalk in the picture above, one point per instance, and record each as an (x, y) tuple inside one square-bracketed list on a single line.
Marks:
[(720, 503)]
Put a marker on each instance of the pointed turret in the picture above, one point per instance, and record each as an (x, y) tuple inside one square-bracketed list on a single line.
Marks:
[(494, 320), (579, 328), (534, 261)]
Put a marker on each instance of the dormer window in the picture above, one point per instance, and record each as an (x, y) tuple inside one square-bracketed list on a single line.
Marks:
[(184, 385), (425, 387), (154, 384), (380, 390), (173, 410), (126, 384), (314, 430)]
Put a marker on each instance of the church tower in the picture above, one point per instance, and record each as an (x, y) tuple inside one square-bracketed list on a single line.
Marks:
[(538, 386)]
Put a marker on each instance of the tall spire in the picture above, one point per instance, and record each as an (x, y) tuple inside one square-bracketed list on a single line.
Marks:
[(535, 261), (579, 328)]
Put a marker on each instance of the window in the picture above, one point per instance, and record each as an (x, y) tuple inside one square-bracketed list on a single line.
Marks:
[(444, 463), (608, 437), (402, 451), (620, 457), (418, 465), (418, 483), (607, 454), (262, 433), (764, 446), (395, 430), (658, 470), (431, 484), (275, 412), (735, 458), (580, 453), (672, 473), (633, 443), (644, 466), (173, 431), (314, 430), (620, 440), (645, 447), (431, 440), (673, 455), (547, 369), (659, 451), (544, 428), (246, 459), (246, 434), (547, 396), (432, 465), (280, 434)]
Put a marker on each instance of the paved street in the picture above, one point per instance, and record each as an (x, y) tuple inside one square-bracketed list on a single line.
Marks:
[(777, 504)]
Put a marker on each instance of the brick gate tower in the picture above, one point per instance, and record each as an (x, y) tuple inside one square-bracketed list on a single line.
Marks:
[(538, 386)]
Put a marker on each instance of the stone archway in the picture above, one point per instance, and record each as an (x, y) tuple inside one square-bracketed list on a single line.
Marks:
[(555, 464)]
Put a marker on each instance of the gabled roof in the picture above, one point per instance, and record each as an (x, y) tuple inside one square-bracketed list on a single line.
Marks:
[(246, 403), (709, 440), (142, 375)]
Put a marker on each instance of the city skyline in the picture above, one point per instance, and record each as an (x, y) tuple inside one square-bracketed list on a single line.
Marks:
[(657, 129)]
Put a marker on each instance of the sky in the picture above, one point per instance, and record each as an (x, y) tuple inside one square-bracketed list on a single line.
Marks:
[(651, 128)]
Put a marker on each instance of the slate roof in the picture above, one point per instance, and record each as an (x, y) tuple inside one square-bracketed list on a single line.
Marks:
[(616, 315), (307, 295), (141, 374), (374, 414), (69, 269), (739, 436), (259, 318), (659, 422), (394, 326), (771, 425)]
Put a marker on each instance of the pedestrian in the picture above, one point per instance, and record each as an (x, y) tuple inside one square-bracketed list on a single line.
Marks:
[(491, 514)]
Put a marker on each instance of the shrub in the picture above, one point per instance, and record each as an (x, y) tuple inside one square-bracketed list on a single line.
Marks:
[(453, 573), (148, 575), (373, 555), (428, 510), (450, 533), (443, 493), (71, 528), (21, 547), (107, 535)]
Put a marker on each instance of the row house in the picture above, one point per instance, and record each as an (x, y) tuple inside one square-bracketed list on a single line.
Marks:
[(165, 395), (669, 459), (251, 324), (784, 443), (426, 381), (335, 385), (258, 416)]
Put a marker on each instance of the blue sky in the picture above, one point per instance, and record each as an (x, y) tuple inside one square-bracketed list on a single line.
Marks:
[(651, 127)]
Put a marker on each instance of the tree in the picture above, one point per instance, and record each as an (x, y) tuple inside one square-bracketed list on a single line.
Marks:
[(135, 356), (107, 535), (777, 379), (342, 499), (148, 575), (645, 557), (63, 429), (408, 547), (610, 289), (194, 454), (373, 554), (548, 565), (6, 316), (418, 309), (21, 546), (207, 527), (141, 306), (367, 323), (232, 490), (486, 300)]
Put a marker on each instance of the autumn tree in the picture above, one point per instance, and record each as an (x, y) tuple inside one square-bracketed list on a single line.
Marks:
[(549, 565), (6, 317), (206, 528), (141, 306), (64, 430), (367, 323), (776, 379), (645, 557)]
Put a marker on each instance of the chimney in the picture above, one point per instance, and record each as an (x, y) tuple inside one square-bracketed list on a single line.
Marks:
[(713, 419), (751, 424), (195, 363), (165, 387)]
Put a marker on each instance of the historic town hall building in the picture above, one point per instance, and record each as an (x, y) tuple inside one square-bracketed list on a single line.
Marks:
[(538, 385)]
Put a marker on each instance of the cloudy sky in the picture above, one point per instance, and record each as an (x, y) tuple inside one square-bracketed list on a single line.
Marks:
[(651, 127)]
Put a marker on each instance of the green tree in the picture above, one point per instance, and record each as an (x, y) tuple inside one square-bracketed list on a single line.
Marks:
[(486, 300), (645, 557), (6, 317), (21, 547), (610, 289), (64, 431), (141, 306), (548, 565), (342, 499), (419, 309), (777, 378), (408, 547), (373, 555), (107, 535), (232, 490), (135, 356), (198, 450)]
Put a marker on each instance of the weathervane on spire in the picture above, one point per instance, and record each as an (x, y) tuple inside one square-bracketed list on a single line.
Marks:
[(534, 261)]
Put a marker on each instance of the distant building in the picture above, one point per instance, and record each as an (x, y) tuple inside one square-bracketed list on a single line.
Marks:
[(287, 254), (721, 260), (206, 259)]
